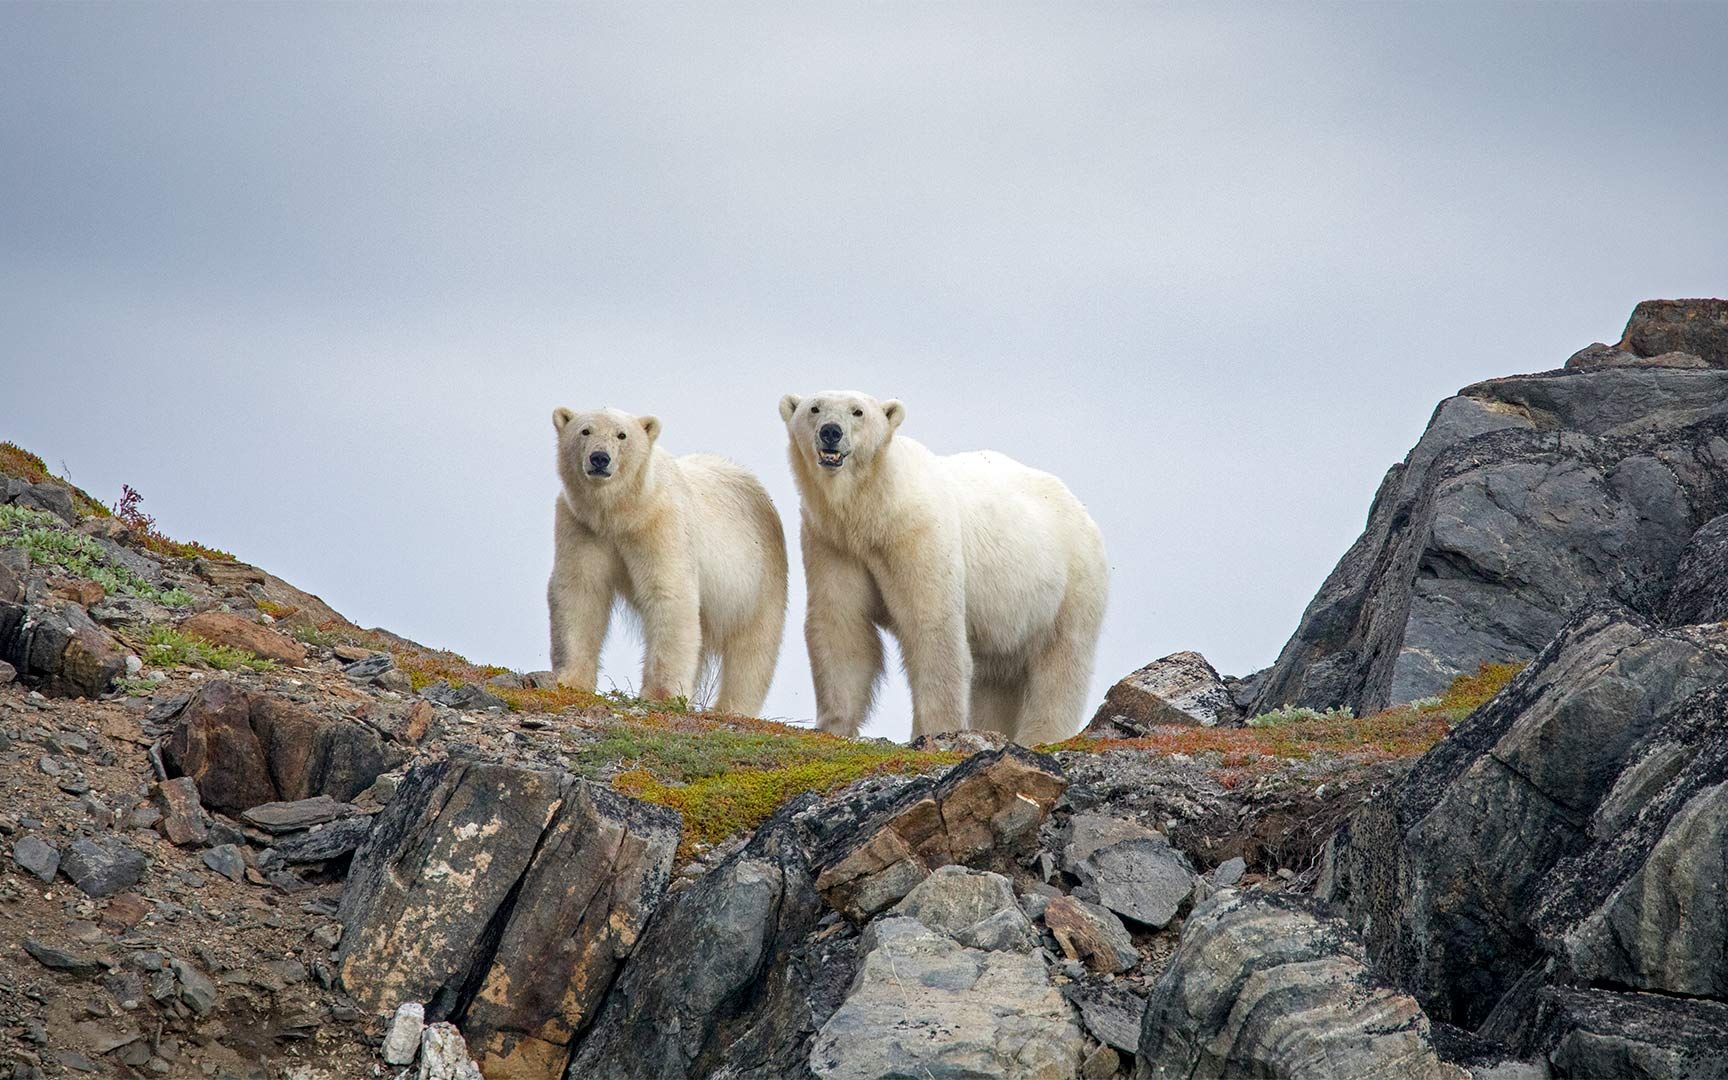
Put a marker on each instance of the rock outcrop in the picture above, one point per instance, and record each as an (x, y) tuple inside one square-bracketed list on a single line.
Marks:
[(504, 899), (1268, 987), (732, 979), (1182, 688), (244, 749), (1525, 498), (1570, 834)]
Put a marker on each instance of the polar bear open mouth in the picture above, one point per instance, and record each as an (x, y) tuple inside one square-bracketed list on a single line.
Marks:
[(830, 459)]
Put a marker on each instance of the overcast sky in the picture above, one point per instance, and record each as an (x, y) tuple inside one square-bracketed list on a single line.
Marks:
[(312, 278)]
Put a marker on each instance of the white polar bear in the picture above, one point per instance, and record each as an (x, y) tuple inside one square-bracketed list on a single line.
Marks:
[(691, 544), (991, 575)]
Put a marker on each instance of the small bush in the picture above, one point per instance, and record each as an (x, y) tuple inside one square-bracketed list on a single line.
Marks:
[(48, 542), (144, 531), (1470, 692), (167, 647), (1291, 714)]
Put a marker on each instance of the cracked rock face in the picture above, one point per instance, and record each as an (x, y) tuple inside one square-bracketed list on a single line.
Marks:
[(924, 1005), (506, 899), (1525, 498), (1267, 987), (1570, 833), (245, 749)]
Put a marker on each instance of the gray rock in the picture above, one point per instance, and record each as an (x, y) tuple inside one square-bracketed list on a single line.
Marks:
[(1182, 688), (1699, 591), (974, 907), (1525, 498), (1228, 872), (444, 1055), (56, 648), (925, 1006), (1100, 1064), (1602, 1033), (49, 497), (72, 962), (195, 989), (36, 855), (1266, 987), (281, 817), (320, 844), (1109, 1011), (8, 673), (226, 860), (1569, 831), (364, 671), (1089, 831), (402, 1041), (103, 867), (1146, 881), (469, 697)]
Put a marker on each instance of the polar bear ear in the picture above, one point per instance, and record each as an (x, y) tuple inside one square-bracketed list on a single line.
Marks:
[(650, 424), (895, 412), (789, 405), (560, 417)]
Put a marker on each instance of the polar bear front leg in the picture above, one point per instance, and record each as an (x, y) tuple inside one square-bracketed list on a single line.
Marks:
[(927, 602), (667, 592), (840, 632), (579, 600)]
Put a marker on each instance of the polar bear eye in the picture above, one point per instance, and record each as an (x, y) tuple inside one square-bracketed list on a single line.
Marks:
[(621, 435), (857, 412), (586, 431), (814, 409)]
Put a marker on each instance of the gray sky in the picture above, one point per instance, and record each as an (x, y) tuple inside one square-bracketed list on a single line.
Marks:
[(312, 278)]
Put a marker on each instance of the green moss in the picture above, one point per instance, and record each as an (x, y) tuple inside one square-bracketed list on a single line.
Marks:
[(48, 542), (167, 647), (739, 783)]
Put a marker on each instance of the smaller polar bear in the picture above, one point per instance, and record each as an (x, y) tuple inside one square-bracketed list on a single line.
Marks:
[(991, 575), (691, 544)]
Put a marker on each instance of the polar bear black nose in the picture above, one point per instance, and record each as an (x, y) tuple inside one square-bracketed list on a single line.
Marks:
[(830, 434), (599, 459)]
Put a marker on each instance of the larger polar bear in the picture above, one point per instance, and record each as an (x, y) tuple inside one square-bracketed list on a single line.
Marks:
[(991, 575), (691, 544)]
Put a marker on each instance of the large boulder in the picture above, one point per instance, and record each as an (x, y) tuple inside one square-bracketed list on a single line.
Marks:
[(504, 899), (1699, 327), (245, 748), (1569, 833), (239, 632), (1269, 987), (1525, 498), (52, 644), (1181, 688), (926, 1006)]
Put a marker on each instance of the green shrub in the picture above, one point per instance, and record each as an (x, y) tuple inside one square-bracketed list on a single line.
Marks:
[(48, 542)]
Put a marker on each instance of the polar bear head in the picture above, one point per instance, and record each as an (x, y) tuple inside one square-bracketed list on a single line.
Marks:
[(839, 431), (603, 450)]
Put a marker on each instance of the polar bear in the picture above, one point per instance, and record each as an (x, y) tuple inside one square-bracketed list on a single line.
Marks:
[(991, 575), (691, 544)]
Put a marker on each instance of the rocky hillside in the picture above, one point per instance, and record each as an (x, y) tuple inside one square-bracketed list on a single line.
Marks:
[(1469, 824)]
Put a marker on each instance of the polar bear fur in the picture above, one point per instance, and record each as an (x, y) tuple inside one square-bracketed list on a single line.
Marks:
[(991, 575), (691, 544)]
